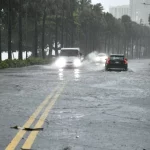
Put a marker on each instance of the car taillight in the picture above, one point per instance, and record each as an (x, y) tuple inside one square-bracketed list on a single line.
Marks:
[(125, 61), (108, 61)]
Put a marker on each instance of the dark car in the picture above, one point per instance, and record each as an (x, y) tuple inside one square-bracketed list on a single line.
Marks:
[(117, 61)]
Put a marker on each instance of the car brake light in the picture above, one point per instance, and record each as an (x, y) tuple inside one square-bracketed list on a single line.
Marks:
[(108, 61), (125, 61)]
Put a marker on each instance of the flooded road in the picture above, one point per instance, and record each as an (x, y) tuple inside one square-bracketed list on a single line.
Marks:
[(77, 109)]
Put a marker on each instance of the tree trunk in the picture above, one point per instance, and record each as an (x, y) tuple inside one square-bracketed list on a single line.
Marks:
[(86, 39), (93, 42), (108, 51), (66, 30), (82, 5), (72, 34), (140, 49), (35, 36), (20, 29), (0, 36), (127, 49), (72, 23), (0, 46), (132, 48), (56, 36), (62, 27), (118, 45), (26, 33), (148, 47), (113, 48), (50, 43), (110, 45), (43, 33), (105, 43), (9, 29), (137, 48)]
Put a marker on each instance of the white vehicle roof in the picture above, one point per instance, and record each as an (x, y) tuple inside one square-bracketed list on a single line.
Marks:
[(70, 49)]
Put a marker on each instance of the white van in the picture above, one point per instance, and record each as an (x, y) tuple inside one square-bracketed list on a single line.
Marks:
[(69, 57)]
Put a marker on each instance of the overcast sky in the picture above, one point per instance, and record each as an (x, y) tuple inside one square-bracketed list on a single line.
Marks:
[(107, 3)]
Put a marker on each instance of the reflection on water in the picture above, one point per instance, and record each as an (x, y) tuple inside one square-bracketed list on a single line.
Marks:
[(100, 64), (61, 74), (75, 72)]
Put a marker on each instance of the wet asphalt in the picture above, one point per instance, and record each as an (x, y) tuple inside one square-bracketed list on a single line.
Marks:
[(96, 110)]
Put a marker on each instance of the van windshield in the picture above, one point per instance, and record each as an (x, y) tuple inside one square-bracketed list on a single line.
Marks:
[(69, 53)]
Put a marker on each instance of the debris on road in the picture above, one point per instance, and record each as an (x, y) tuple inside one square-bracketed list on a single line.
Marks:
[(27, 129), (67, 148), (26, 149)]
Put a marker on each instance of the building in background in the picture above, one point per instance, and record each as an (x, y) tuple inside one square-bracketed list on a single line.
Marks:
[(119, 11), (140, 12)]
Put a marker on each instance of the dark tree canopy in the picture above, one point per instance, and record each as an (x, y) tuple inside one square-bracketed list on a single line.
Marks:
[(68, 23)]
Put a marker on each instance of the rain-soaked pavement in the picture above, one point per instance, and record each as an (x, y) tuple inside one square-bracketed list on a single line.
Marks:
[(86, 108)]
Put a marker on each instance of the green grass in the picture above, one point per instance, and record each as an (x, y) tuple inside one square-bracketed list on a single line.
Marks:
[(22, 63)]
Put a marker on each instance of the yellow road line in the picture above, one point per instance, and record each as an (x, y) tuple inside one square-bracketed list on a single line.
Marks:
[(31, 138), (15, 141)]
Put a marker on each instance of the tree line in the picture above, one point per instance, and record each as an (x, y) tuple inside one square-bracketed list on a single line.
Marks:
[(36, 25)]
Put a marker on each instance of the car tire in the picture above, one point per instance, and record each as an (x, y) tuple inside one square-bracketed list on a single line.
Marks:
[(126, 69), (106, 69)]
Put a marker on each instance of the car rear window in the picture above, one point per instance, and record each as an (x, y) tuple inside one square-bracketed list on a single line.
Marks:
[(116, 57)]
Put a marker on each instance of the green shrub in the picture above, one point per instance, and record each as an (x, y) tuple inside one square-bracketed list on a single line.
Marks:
[(22, 63), (3, 65)]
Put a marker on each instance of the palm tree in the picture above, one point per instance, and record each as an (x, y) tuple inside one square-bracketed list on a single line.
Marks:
[(20, 29), (57, 3), (9, 29), (43, 32), (35, 31), (62, 24), (26, 24), (70, 23), (35, 6), (56, 34), (0, 35), (46, 11)]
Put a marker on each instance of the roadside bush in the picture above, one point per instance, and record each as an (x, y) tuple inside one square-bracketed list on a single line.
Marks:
[(22, 63), (3, 65), (37, 61)]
